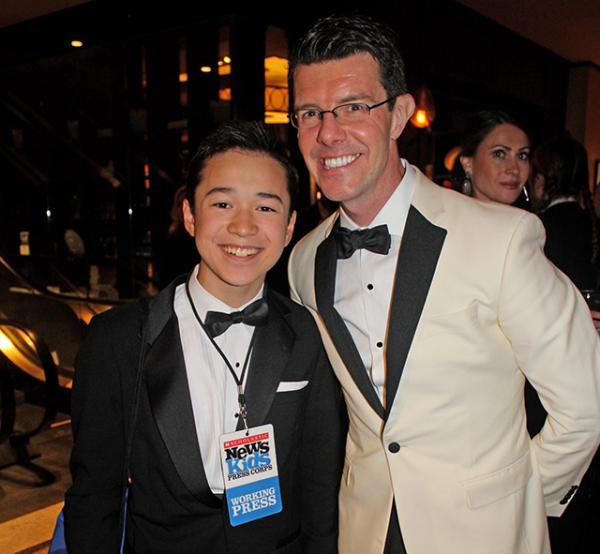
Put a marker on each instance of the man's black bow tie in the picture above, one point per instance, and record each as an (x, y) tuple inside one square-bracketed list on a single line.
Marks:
[(254, 314), (376, 240)]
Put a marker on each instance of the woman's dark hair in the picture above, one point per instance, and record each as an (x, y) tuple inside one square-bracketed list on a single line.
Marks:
[(336, 37), (244, 136), (481, 125), (563, 162)]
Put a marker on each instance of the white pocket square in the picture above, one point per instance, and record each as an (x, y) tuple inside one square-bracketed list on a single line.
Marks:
[(290, 386)]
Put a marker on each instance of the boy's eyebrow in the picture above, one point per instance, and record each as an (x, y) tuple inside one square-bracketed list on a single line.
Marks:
[(216, 190), (270, 196), (229, 190)]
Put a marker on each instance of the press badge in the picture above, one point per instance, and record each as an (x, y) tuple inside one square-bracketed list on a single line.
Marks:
[(250, 474)]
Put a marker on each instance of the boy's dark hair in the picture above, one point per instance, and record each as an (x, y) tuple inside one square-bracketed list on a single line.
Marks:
[(337, 37), (245, 136)]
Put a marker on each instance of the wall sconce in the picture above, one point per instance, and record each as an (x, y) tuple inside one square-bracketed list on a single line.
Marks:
[(424, 109)]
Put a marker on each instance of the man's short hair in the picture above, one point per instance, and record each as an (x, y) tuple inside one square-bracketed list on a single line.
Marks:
[(336, 37), (243, 136)]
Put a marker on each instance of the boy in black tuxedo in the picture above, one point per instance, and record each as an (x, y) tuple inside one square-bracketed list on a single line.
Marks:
[(218, 353)]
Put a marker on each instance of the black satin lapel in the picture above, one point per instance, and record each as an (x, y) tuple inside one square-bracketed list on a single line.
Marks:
[(172, 408), (419, 253), (325, 270), (272, 349)]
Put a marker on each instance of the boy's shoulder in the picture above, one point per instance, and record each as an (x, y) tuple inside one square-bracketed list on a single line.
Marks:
[(122, 322), (297, 316)]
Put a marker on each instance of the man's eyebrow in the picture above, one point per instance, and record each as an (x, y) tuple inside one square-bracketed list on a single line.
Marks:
[(358, 97), (270, 195)]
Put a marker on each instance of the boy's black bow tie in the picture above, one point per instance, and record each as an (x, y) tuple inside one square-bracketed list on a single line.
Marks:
[(254, 314)]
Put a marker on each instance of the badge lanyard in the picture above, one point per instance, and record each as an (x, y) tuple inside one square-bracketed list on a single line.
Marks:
[(239, 381)]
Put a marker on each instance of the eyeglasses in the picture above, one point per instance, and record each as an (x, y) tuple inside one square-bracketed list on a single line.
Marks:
[(353, 112)]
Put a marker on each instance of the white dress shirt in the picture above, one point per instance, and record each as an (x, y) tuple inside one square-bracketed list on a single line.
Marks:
[(364, 282), (213, 390)]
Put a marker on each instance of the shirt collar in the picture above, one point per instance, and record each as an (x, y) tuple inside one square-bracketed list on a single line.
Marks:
[(561, 200), (204, 301), (395, 210)]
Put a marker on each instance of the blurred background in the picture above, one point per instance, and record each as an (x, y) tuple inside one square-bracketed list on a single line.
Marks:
[(102, 105)]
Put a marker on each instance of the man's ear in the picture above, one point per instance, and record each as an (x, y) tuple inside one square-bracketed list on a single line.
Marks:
[(467, 164), (289, 233), (404, 107), (189, 221)]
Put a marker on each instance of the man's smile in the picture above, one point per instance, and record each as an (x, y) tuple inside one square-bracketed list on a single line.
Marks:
[(341, 161)]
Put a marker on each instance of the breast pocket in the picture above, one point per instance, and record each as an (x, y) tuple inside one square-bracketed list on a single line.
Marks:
[(290, 396), (459, 322)]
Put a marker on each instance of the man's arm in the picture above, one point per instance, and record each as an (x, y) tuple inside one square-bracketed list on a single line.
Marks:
[(292, 272), (92, 503), (322, 461), (554, 341)]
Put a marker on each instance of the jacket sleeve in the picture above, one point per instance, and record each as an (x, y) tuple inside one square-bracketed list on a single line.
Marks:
[(324, 441), (551, 332), (92, 503)]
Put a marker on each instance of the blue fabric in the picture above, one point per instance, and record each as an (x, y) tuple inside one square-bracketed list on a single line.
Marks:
[(58, 545)]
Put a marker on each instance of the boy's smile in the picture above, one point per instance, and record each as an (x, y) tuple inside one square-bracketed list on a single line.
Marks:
[(240, 223)]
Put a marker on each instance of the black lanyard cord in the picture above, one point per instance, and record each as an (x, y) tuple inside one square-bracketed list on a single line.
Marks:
[(243, 408)]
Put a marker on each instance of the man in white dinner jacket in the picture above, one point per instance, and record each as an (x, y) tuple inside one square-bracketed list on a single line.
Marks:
[(432, 319)]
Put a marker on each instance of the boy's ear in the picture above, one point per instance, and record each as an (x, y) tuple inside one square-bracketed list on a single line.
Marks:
[(189, 221), (290, 228)]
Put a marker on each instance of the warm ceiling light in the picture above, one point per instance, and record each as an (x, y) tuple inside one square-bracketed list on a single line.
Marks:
[(425, 109), (227, 59), (205, 69), (76, 43), (450, 158), (183, 77), (420, 119)]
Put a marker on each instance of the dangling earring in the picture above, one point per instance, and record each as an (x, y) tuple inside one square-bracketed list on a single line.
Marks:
[(525, 193), (467, 186)]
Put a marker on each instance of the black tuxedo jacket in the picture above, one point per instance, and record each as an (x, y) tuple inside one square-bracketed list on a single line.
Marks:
[(171, 508)]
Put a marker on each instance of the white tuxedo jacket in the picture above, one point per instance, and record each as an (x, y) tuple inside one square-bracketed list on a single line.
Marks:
[(476, 308)]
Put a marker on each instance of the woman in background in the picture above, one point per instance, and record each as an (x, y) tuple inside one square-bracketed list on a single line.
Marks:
[(494, 159), (178, 254), (495, 167)]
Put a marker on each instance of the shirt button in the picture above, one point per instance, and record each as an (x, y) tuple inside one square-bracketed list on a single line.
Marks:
[(379, 344), (394, 447), (370, 286)]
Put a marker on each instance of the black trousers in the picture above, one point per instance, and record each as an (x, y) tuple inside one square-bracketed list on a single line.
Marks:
[(394, 544)]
